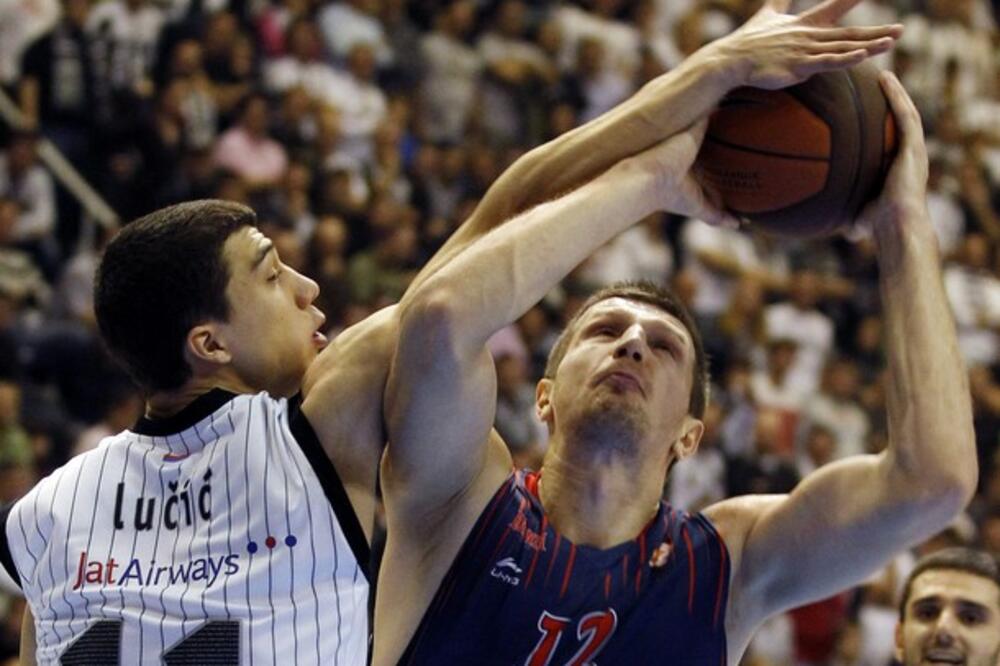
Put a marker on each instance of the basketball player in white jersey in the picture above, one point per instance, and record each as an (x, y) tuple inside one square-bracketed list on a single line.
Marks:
[(217, 530)]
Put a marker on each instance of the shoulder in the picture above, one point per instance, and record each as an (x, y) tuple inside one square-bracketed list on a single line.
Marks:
[(734, 519)]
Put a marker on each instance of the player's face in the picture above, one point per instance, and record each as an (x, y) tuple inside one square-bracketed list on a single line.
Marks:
[(951, 617), (629, 364), (273, 328)]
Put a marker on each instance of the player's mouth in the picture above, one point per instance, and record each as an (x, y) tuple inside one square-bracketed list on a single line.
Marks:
[(319, 339), (943, 657), (623, 381)]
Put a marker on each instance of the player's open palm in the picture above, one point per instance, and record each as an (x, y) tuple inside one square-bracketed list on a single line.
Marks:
[(775, 49)]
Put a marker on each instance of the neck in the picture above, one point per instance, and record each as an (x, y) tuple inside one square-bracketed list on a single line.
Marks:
[(599, 503), (167, 403)]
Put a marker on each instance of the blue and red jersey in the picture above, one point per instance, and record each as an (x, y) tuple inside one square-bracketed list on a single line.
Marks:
[(520, 593)]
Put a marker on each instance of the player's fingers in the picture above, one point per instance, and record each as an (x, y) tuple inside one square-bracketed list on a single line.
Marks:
[(830, 61), (872, 47), (907, 117), (856, 34), (700, 201), (828, 11)]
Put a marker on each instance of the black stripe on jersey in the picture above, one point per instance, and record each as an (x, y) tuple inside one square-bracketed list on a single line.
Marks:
[(330, 480), (5, 557), (198, 409)]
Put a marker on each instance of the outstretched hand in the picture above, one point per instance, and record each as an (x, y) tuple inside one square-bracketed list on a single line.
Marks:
[(775, 49)]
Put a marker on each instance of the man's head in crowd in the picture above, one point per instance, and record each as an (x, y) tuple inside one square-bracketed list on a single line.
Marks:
[(950, 610)]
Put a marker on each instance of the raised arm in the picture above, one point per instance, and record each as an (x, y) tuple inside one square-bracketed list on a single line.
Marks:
[(441, 395), (847, 519), (344, 387), (772, 50)]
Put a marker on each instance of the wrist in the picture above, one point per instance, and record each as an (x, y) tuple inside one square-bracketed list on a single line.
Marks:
[(903, 229), (722, 64)]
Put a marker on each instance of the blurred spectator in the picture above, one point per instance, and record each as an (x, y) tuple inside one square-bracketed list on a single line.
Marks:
[(639, 253), (350, 23), (766, 470), (772, 386), (515, 419), (57, 86), (948, 36), (21, 281), (15, 448), (816, 629), (619, 40), (124, 407), (26, 181), (384, 271), (836, 408), (597, 85), (974, 294), (801, 320), (248, 150), (517, 70), (127, 33), (739, 332), (273, 21), (878, 611), (944, 207), (197, 97), (718, 257), (819, 448), (452, 71), (700, 480), (21, 22)]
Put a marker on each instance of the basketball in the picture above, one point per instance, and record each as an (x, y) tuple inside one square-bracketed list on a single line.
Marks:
[(804, 160)]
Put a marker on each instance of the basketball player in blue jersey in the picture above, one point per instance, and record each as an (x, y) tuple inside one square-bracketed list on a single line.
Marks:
[(218, 519), (582, 563)]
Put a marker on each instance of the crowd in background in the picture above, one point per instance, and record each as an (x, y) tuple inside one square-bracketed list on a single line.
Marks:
[(364, 131)]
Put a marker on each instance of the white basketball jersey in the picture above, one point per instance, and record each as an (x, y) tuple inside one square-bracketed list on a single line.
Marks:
[(221, 535)]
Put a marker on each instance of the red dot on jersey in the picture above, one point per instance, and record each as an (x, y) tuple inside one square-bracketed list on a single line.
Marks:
[(269, 542)]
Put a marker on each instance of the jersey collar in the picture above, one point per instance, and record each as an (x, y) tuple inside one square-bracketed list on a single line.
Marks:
[(197, 410)]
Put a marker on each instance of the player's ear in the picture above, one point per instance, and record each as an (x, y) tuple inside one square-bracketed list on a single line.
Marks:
[(543, 402), (691, 434), (205, 345)]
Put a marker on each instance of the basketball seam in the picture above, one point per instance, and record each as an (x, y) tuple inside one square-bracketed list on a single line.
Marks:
[(761, 151), (860, 155)]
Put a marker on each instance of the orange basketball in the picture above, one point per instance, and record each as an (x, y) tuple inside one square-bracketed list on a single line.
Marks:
[(804, 160)]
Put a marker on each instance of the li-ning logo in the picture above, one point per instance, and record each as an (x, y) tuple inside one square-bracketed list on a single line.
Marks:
[(507, 571), (178, 509)]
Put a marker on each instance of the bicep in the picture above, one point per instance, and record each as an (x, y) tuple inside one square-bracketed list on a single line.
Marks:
[(836, 528), (440, 406)]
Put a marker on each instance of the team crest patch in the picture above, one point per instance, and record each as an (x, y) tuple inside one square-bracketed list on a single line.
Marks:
[(660, 555)]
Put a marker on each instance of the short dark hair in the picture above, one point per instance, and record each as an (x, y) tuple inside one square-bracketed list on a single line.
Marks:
[(652, 294), (976, 562), (160, 276)]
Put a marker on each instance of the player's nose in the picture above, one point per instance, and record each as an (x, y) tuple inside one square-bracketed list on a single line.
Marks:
[(306, 290), (632, 344), (945, 628)]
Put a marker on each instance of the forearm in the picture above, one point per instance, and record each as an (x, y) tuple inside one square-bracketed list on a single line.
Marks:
[(928, 399), (503, 274), (663, 107)]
